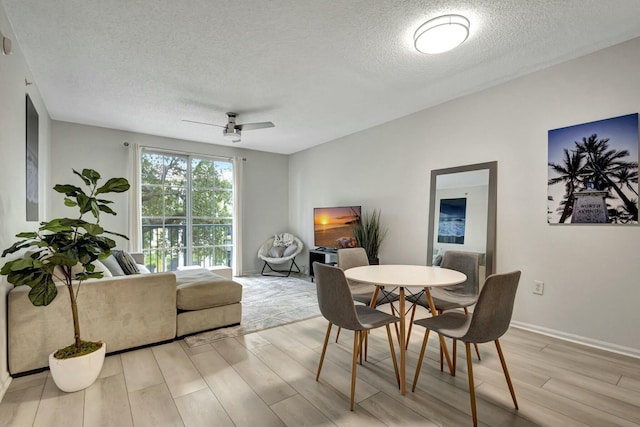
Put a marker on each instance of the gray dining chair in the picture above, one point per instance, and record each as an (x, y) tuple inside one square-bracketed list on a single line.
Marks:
[(337, 306), (363, 293), (462, 295), (488, 322)]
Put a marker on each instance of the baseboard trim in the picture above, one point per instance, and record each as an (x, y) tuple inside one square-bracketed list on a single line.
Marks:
[(602, 345)]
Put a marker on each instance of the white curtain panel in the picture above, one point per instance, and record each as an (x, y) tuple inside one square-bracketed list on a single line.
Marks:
[(238, 167), (135, 212)]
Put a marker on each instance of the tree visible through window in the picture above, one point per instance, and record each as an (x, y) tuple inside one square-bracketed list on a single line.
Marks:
[(187, 210)]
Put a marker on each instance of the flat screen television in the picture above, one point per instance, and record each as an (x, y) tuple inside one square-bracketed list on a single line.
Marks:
[(333, 227)]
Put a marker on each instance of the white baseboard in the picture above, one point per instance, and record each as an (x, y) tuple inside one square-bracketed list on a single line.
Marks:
[(614, 348)]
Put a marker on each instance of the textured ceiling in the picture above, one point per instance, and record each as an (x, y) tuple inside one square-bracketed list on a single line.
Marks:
[(318, 69)]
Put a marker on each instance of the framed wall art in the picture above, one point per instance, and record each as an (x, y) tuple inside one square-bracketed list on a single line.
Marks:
[(593, 172), (452, 220)]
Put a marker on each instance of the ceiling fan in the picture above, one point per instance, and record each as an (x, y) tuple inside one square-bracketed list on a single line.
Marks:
[(232, 131)]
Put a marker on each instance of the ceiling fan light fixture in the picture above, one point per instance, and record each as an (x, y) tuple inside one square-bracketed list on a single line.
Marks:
[(231, 134), (441, 34)]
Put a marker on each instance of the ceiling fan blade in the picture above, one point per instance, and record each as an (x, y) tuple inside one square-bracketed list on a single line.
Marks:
[(252, 126), (202, 123)]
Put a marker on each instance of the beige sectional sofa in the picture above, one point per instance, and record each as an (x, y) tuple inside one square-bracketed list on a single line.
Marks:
[(124, 312)]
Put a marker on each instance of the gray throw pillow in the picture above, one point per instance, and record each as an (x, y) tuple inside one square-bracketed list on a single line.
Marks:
[(126, 261), (276, 252), (112, 265), (437, 260), (290, 250)]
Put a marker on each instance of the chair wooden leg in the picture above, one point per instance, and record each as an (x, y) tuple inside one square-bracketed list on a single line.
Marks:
[(413, 315), (338, 334), (324, 350), (354, 363), (363, 335), (441, 360), (475, 344), (393, 355), (506, 373), (472, 391), (455, 356), (422, 349)]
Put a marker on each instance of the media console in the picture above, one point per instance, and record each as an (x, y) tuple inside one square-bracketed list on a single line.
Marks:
[(323, 256)]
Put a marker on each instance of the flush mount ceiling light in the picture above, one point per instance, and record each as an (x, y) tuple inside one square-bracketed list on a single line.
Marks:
[(441, 34)]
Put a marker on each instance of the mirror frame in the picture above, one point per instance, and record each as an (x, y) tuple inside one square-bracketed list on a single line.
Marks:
[(490, 251)]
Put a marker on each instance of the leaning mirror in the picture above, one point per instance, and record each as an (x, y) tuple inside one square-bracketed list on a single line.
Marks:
[(462, 213)]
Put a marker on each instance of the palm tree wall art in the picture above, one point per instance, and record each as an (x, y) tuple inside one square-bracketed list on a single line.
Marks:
[(594, 161)]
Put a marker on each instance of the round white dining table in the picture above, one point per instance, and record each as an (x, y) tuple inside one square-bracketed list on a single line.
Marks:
[(403, 277)]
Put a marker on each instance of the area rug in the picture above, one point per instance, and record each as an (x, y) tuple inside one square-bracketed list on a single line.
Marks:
[(267, 302)]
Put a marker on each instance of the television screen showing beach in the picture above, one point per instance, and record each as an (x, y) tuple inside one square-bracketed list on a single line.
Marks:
[(333, 227)]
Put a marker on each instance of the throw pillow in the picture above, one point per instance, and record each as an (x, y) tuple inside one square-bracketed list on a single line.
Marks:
[(276, 252), (290, 250), (142, 269), (283, 239), (278, 240), (101, 268), (112, 265), (126, 261)]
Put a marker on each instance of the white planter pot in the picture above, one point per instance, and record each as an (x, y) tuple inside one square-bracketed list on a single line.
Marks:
[(77, 373)]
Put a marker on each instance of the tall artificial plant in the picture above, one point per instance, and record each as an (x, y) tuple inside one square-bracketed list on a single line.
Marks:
[(369, 233), (63, 250)]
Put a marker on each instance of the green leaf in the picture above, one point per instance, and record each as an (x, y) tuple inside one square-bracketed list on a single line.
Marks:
[(116, 234), (106, 243), (84, 202), (69, 202), (17, 246), (85, 276), (43, 293), (93, 229), (63, 259), (72, 222), (86, 181), (92, 175), (18, 264), (106, 209), (95, 210), (55, 226), (28, 235), (68, 189), (114, 185)]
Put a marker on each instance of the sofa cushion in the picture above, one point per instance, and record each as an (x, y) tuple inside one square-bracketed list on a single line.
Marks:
[(199, 289)]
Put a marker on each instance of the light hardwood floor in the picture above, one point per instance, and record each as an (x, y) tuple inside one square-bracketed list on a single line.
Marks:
[(268, 379)]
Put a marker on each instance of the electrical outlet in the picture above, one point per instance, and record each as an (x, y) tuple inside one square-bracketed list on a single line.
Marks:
[(538, 287)]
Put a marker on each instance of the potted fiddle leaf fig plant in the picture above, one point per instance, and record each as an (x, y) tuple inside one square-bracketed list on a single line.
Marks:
[(369, 234), (63, 251)]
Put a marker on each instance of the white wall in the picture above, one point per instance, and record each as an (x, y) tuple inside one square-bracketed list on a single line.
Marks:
[(13, 72), (590, 272), (265, 194)]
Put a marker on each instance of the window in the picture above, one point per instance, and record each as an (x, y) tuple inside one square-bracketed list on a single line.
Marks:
[(187, 210)]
